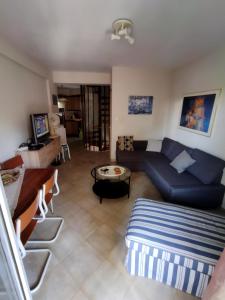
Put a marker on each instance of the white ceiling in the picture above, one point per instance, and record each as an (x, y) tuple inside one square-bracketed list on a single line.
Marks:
[(75, 34)]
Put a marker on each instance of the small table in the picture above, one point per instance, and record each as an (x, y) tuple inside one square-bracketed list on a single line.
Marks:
[(111, 181)]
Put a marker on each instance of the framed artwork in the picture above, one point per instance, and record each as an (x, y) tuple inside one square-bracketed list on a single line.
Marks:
[(198, 112), (140, 105)]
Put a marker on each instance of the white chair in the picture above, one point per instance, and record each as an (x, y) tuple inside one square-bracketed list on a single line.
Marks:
[(25, 224), (47, 198), (57, 129), (61, 132)]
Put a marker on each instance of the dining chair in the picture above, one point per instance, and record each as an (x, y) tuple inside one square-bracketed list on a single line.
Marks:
[(47, 198), (25, 224), (61, 132)]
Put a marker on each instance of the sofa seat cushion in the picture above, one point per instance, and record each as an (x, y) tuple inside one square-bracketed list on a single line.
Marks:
[(183, 236), (130, 156), (207, 168), (138, 156), (159, 167)]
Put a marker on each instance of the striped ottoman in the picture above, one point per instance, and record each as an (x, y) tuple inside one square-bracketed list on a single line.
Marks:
[(175, 245)]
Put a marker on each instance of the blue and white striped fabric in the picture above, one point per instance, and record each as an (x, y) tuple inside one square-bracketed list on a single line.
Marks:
[(173, 244)]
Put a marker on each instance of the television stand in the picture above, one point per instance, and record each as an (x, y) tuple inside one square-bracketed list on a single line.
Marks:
[(43, 157), (33, 147), (46, 141)]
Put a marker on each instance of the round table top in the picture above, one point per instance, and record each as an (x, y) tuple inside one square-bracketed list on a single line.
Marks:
[(111, 172)]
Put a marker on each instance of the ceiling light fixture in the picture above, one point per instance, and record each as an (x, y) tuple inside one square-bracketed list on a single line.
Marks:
[(122, 28)]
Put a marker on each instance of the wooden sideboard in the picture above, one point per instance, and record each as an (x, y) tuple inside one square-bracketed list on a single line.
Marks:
[(43, 157), (72, 128)]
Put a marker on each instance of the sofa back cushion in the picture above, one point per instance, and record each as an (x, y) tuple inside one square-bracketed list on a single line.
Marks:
[(207, 168), (140, 145), (171, 148), (154, 145), (166, 146)]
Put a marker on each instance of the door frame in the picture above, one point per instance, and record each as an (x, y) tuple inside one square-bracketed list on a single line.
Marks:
[(11, 251)]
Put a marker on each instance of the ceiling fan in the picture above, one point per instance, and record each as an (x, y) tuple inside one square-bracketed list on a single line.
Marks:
[(122, 28)]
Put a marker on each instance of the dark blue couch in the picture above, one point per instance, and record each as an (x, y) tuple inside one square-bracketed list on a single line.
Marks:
[(199, 186)]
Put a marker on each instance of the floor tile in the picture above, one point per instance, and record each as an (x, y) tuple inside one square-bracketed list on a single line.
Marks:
[(82, 262), (88, 256), (80, 296), (103, 239), (57, 285)]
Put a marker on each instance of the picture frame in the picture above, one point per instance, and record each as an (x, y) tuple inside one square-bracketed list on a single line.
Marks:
[(198, 112), (140, 105)]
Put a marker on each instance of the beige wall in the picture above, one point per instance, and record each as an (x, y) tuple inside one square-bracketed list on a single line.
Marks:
[(23, 91), (133, 81), (51, 89), (204, 75), (81, 77), (9, 51)]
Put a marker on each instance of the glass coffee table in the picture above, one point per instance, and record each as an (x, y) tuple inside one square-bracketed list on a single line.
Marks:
[(111, 181)]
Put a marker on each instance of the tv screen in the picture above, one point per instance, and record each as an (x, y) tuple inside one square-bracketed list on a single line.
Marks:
[(40, 126)]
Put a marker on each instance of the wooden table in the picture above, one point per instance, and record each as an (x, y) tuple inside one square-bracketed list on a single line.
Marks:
[(32, 183), (43, 157)]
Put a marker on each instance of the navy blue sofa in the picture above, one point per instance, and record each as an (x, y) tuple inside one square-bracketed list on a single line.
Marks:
[(199, 186)]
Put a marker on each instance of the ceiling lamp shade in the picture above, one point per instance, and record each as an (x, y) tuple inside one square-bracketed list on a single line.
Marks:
[(122, 28)]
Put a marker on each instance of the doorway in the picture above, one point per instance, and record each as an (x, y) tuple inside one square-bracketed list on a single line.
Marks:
[(69, 105), (96, 117), (13, 279), (85, 113)]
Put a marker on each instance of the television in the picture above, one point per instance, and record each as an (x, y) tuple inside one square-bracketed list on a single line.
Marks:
[(40, 126)]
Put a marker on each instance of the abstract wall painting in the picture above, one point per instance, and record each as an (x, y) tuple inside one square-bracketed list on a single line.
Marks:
[(198, 112), (140, 105)]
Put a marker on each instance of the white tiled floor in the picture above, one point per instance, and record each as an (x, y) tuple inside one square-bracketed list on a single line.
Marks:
[(88, 256)]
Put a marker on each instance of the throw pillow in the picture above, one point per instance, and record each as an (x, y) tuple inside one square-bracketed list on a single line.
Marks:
[(154, 145), (125, 143), (182, 162)]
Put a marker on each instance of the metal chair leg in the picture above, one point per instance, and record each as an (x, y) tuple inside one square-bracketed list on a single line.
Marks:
[(63, 153), (51, 207), (39, 283), (68, 150)]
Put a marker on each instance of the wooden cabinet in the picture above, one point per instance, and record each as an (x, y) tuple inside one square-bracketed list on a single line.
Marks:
[(43, 157), (73, 103), (72, 128)]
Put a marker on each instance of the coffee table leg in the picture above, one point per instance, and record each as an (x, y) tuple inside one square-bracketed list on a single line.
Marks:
[(129, 188)]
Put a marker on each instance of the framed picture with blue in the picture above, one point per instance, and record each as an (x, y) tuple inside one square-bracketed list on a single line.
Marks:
[(198, 112), (140, 105)]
